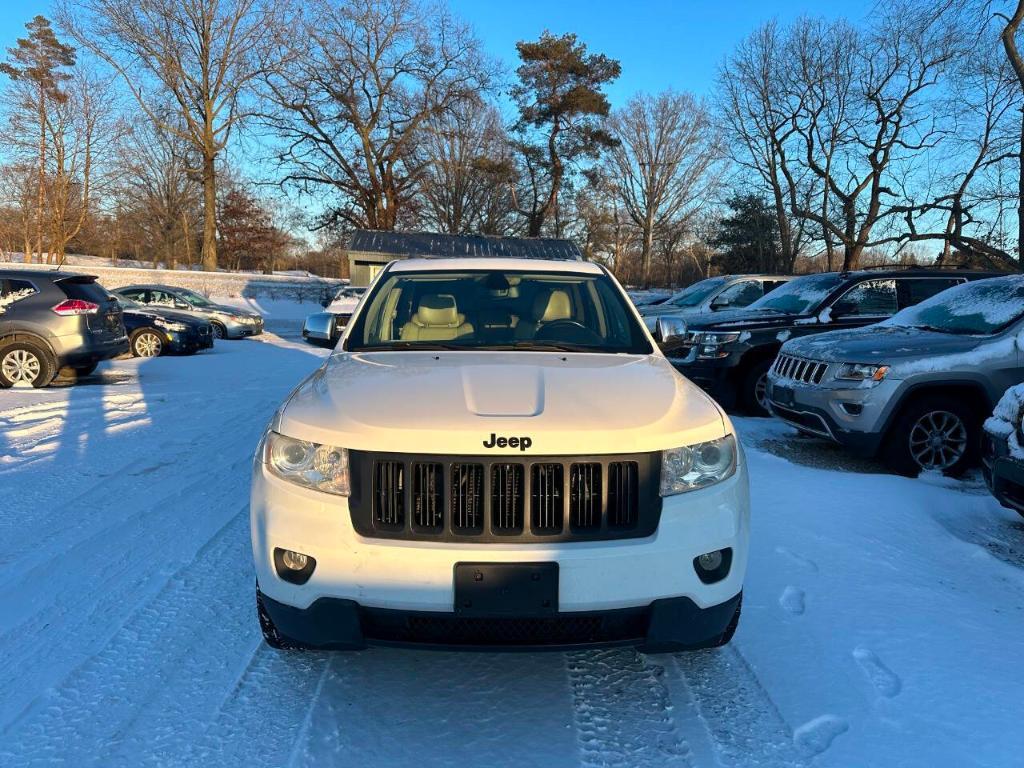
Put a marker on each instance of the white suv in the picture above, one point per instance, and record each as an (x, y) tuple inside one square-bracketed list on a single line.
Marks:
[(497, 454)]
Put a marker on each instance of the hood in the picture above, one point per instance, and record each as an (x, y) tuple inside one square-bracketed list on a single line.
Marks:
[(452, 402), (229, 310), (650, 310), (880, 344), (745, 319)]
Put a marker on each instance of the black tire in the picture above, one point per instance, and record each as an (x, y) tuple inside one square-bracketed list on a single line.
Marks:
[(930, 415), (23, 358), (271, 636), (219, 331), (86, 370), (730, 630), (146, 342), (752, 388)]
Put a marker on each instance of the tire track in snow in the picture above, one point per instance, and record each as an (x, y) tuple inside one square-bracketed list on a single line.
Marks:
[(624, 714), (743, 723), (178, 637)]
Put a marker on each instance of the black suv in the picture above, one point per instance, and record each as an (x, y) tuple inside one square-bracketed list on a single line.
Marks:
[(729, 353), (55, 322)]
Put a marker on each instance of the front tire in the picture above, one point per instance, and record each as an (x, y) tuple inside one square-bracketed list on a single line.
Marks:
[(219, 331), (730, 630), (147, 343), (754, 389), (25, 363), (936, 433)]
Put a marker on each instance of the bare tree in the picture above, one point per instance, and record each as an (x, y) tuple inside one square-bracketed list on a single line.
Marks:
[(666, 147), (1009, 40), (158, 192), (365, 78), (203, 56), (468, 172)]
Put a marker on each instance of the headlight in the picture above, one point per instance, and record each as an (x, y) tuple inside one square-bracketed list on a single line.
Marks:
[(322, 467), (170, 325), (861, 372), (697, 466), (711, 343)]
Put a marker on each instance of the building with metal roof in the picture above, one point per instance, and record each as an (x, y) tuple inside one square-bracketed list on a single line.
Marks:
[(370, 250)]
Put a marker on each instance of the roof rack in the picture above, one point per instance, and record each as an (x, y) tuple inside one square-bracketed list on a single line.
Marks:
[(908, 267)]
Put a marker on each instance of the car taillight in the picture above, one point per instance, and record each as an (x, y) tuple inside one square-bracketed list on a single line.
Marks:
[(76, 307)]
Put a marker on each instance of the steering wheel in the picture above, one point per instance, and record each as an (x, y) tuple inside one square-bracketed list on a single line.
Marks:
[(569, 331)]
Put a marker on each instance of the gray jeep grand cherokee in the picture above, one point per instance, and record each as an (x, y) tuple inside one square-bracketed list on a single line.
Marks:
[(913, 389)]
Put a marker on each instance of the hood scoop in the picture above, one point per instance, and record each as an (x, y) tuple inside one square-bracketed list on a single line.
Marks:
[(502, 390)]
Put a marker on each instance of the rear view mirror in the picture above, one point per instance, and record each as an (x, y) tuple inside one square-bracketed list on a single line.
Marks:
[(670, 331)]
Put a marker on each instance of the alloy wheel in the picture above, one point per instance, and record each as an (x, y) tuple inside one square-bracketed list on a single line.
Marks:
[(218, 331), (761, 391), (21, 365), (938, 440), (148, 345)]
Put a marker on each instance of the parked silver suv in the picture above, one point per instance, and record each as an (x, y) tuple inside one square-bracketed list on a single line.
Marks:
[(228, 322), (913, 389)]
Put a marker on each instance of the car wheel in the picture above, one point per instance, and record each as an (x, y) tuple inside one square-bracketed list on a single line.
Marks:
[(754, 389), (219, 331), (25, 363), (271, 636), (147, 343), (935, 434)]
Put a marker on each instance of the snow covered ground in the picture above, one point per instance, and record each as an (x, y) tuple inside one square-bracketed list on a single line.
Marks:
[(882, 619)]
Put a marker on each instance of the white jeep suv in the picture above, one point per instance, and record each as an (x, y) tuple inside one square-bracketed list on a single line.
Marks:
[(497, 454)]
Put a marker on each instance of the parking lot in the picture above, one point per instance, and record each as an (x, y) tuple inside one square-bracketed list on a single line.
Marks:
[(128, 636)]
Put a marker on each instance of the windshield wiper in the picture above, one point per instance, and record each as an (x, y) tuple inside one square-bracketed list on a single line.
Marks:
[(418, 346), (543, 346), (952, 331)]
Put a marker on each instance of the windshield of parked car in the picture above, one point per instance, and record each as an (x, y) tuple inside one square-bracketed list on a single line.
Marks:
[(800, 296), (982, 307), (694, 294), (488, 310), (196, 299)]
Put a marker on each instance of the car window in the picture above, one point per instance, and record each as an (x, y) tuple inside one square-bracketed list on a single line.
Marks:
[(13, 291), (871, 298), (915, 290), (85, 289), (135, 294), (739, 294), (162, 298), (696, 293), (487, 310)]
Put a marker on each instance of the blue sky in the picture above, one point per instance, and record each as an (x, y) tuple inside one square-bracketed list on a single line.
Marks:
[(660, 43)]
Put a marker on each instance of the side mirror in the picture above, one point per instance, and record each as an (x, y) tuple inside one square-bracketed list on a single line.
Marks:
[(670, 331), (179, 304), (720, 304)]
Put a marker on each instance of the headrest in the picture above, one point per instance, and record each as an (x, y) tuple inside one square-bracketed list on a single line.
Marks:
[(437, 310), (552, 305)]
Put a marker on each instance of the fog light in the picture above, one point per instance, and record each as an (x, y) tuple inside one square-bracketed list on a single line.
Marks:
[(293, 567), (296, 561), (709, 561), (713, 566)]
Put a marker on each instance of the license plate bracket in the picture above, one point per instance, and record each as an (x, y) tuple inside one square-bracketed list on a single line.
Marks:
[(506, 589)]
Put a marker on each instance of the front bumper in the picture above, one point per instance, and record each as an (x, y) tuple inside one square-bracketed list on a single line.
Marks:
[(852, 416), (234, 330), (666, 625), (417, 576), (188, 342), (1003, 473)]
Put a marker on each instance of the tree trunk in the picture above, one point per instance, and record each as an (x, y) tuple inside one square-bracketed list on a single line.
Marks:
[(209, 214), (1020, 197), (41, 201), (1009, 38)]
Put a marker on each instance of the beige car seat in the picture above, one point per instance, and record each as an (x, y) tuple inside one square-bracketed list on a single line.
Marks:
[(548, 306), (437, 319)]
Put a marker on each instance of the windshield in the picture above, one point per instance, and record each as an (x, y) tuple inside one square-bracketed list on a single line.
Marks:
[(197, 299), (693, 295), (800, 296), (484, 310), (983, 308)]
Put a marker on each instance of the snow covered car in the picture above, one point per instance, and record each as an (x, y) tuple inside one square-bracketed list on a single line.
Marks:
[(154, 331), (1003, 461), (729, 353), (497, 454), (228, 322), (55, 324), (712, 295), (915, 388), (326, 327)]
